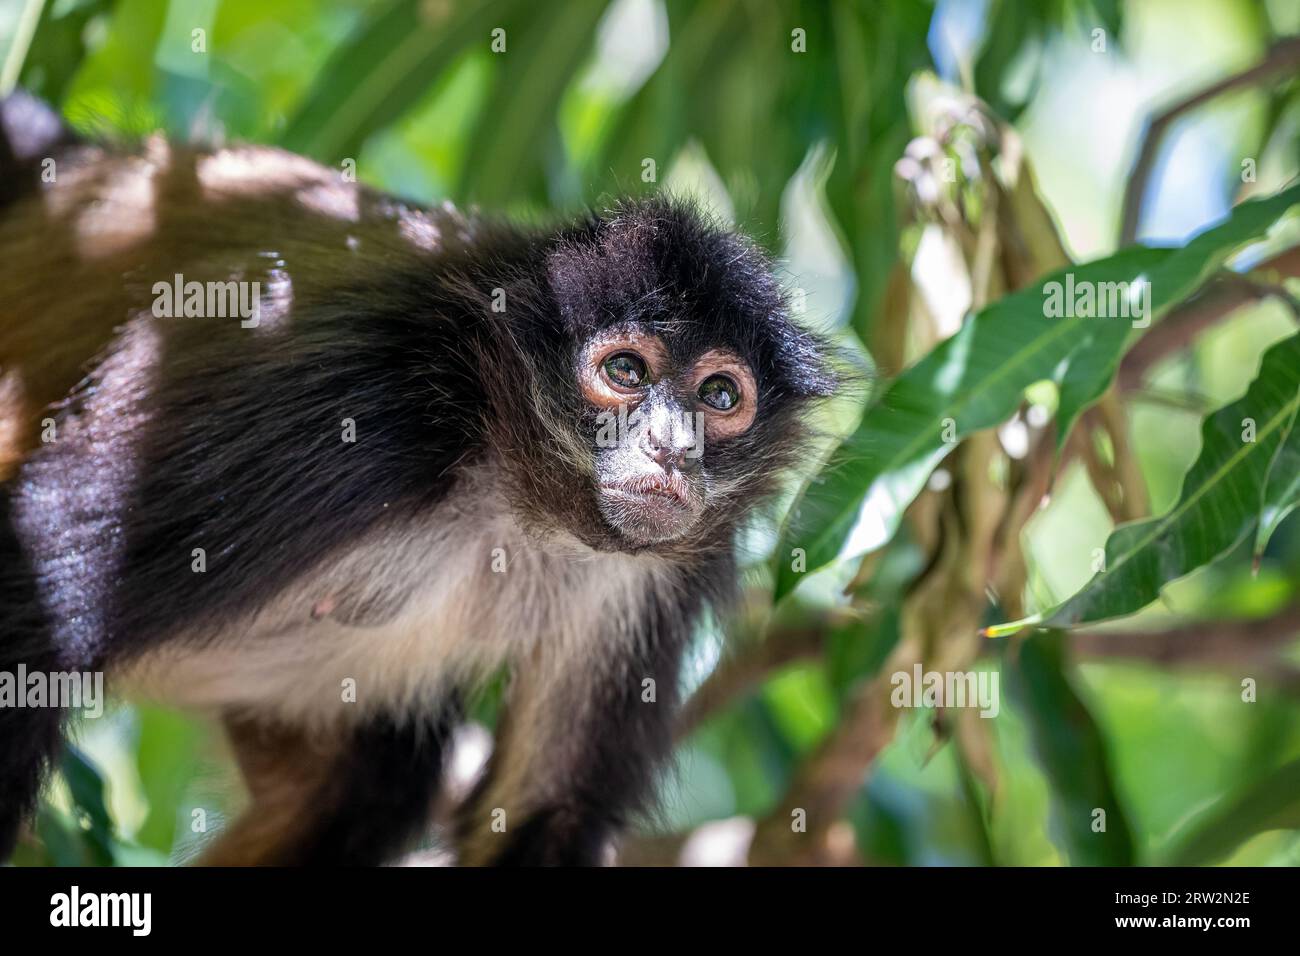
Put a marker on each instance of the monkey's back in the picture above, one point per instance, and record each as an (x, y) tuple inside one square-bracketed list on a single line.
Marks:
[(126, 429), (93, 231)]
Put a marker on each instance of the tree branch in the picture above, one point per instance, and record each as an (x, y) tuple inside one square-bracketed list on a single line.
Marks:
[(1182, 326), (1282, 58), (1200, 643), (750, 667), (825, 783)]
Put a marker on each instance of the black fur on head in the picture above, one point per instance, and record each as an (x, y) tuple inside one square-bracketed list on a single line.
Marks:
[(661, 274)]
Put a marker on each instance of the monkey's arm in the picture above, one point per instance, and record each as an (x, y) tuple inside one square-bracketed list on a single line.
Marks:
[(579, 747), (352, 798)]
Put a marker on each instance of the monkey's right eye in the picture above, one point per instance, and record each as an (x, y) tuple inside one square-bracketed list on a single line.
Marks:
[(626, 370)]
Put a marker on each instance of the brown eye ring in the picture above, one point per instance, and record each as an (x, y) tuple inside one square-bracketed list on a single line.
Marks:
[(720, 364), (602, 391)]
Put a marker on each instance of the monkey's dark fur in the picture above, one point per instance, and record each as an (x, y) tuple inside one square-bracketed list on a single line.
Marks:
[(176, 434)]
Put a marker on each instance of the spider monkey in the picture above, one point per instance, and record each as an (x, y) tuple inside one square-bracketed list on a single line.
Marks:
[(437, 448)]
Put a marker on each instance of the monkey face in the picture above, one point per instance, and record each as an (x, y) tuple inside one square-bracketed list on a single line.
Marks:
[(655, 419), (690, 381)]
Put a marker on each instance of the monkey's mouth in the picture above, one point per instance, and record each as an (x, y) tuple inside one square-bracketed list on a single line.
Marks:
[(649, 508), (668, 485)]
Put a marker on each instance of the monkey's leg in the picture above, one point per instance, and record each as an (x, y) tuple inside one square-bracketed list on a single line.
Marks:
[(575, 758), (30, 738), (356, 799)]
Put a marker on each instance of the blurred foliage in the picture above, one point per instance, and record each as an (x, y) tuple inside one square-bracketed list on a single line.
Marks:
[(923, 170)]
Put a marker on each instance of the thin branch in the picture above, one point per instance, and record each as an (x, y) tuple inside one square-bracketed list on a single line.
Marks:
[(749, 668), (1217, 300), (1282, 58), (1200, 643), (825, 782), (1100, 475), (1125, 466)]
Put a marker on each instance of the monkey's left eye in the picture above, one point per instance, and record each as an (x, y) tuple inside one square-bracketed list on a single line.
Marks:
[(719, 392), (627, 370)]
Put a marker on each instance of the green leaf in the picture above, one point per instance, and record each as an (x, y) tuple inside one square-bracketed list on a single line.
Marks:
[(87, 789), (861, 109), (1272, 803), (60, 46), (976, 378), (59, 842), (21, 29), (653, 123), (1073, 753), (976, 804), (1282, 490), (115, 88), (373, 79), (1219, 504), (535, 69), (1184, 271), (970, 381), (166, 758)]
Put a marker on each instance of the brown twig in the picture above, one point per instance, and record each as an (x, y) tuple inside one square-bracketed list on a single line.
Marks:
[(835, 771), (1033, 482), (749, 668), (1100, 475), (825, 783), (1282, 57), (1217, 300), (1183, 325), (1202, 643), (1124, 466)]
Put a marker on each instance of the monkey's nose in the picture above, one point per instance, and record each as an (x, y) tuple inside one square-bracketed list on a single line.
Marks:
[(670, 458)]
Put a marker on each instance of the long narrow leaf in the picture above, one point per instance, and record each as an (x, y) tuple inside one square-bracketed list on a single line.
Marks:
[(1090, 820), (975, 380), (1282, 490), (521, 111), (1185, 270), (1272, 803), (375, 77), (1219, 504), (88, 798)]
